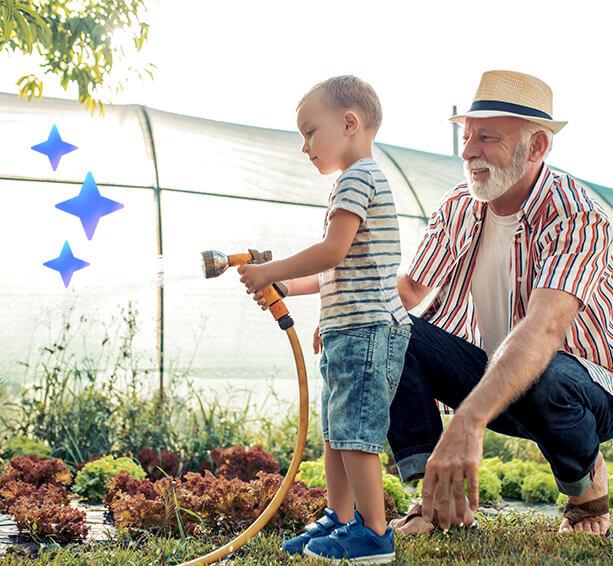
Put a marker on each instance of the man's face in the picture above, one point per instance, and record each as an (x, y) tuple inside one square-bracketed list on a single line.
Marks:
[(495, 156), (322, 128)]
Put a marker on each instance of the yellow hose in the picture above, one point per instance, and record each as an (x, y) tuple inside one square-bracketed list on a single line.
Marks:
[(255, 527)]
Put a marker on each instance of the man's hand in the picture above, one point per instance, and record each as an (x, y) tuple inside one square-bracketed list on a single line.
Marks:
[(255, 276), (455, 459)]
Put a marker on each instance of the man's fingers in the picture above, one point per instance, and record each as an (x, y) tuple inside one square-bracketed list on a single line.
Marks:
[(472, 483), (428, 489), (443, 499), (459, 496)]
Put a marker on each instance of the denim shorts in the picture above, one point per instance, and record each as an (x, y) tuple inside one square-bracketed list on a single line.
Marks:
[(361, 369)]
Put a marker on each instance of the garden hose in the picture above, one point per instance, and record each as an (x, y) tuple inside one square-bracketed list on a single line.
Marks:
[(215, 263), (275, 503)]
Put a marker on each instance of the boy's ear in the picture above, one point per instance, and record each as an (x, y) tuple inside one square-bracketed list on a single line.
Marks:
[(352, 122)]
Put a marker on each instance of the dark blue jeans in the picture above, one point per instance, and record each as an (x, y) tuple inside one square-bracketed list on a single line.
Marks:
[(565, 412)]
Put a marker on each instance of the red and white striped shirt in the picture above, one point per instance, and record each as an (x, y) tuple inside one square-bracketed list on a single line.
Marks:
[(562, 242)]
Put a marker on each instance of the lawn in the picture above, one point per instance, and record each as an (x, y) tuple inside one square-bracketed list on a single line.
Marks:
[(112, 431), (502, 539)]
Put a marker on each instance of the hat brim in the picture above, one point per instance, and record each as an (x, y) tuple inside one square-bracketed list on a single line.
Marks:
[(553, 125)]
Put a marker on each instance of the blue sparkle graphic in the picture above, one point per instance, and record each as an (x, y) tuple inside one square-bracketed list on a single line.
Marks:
[(54, 148), (89, 206), (66, 264)]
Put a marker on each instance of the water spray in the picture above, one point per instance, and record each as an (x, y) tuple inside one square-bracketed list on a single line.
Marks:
[(214, 264)]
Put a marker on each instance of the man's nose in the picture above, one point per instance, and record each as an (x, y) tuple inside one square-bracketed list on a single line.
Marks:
[(471, 149)]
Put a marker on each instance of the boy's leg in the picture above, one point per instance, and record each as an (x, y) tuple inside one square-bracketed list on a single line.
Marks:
[(364, 473), (340, 493), (362, 372)]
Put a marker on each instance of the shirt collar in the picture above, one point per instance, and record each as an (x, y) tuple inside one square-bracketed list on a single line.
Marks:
[(538, 195)]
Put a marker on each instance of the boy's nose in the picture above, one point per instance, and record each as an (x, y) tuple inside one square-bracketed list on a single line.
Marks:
[(305, 147)]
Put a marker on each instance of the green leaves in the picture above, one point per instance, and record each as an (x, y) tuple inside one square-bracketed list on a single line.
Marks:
[(77, 41), (22, 27)]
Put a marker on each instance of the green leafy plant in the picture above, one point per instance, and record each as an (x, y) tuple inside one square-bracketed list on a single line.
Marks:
[(394, 488), (494, 465), (539, 486), (92, 482), (313, 475), (22, 445), (513, 475), (495, 446), (489, 486)]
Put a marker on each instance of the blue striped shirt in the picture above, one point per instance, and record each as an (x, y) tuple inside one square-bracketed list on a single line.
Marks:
[(562, 242), (361, 290)]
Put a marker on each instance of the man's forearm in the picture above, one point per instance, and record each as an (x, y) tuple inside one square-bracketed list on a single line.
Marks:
[(411, 292), (519, 361), (516, 365)]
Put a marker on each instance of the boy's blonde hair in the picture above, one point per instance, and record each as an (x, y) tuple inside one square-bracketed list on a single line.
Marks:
[(348, 91)]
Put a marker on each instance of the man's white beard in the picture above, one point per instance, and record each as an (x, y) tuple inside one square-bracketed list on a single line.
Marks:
[(500, 179)]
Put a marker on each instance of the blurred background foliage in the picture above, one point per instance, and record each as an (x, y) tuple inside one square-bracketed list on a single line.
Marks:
[(79, 42)]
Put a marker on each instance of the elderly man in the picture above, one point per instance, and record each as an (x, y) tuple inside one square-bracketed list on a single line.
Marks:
[(519, 335)]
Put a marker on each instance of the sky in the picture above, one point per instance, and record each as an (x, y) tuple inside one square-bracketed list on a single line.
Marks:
[(250, 62)]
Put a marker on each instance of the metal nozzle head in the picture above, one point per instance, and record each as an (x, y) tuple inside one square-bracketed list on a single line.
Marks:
[(214, 263)]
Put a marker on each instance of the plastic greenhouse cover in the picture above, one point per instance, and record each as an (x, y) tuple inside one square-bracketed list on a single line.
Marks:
[(223, 186)]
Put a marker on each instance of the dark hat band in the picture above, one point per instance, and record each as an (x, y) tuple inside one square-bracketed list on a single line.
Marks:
[(508, 107)]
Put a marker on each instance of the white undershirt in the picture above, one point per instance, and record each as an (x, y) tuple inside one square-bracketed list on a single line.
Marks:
[(491, 277)]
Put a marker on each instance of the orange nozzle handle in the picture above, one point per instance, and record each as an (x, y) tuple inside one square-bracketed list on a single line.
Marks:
[(274, 302), (239, 259)]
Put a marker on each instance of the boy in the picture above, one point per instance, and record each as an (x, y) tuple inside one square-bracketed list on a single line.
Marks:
[(364, 329)]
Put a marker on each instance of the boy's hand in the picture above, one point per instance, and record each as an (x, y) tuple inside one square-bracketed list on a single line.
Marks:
[(258, 297), (254, 276), (317, 343)]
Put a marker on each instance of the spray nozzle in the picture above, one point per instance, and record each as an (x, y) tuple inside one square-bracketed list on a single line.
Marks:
[(214, 263)]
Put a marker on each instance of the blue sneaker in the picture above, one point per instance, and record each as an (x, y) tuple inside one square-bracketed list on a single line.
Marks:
[(355, 542), (320, 528)]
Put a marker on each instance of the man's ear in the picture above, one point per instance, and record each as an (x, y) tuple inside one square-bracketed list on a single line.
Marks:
[(539, 143), (352, 122)]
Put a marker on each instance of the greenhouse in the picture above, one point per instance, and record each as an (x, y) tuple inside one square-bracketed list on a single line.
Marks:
[(186, 185)]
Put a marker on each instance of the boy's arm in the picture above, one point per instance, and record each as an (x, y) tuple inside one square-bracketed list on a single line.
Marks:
[(303, 285), (292, 287), (342, 228)]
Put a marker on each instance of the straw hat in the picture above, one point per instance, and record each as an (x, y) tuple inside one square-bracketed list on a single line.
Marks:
[(507, 93)]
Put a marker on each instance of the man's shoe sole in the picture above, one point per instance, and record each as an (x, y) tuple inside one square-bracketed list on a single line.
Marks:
[(374, 560)]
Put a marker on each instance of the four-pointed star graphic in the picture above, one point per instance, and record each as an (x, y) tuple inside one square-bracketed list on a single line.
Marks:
[(54, 148), (89, 206), (66, 264)]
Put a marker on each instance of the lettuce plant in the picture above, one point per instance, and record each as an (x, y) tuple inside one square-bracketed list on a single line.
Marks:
[(92, 482)]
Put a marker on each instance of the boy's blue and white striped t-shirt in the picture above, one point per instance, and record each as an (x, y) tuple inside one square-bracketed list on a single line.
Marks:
[(361, 290)]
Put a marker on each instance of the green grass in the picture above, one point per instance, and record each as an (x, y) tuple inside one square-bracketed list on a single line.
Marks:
[(509, 540)]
